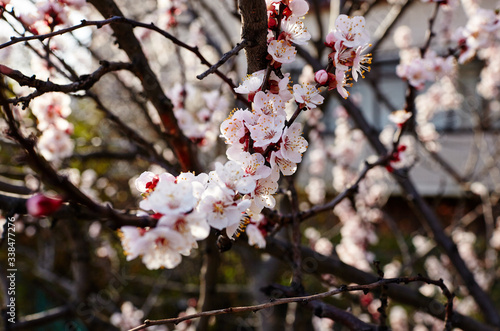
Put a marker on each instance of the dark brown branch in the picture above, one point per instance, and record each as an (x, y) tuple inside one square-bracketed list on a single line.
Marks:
[(17, 205), (254, 29), (208, 279), (339, 315), (132, 93), (244, 43), (320, 264), (428, 217), (323, 310), (11, 188), (307, 299), (85, 82), (180, 144), (429, 33), (41, 318), (274, 217)]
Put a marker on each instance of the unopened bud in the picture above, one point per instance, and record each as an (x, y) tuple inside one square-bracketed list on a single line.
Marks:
[(321, 77), (40, 205), (330, 39)]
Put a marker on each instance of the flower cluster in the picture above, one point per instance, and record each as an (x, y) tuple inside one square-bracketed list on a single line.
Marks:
[(440, 96), (417, 71), (481, 31), (171, 9), (481, 36), (263, 145), (173, 201), (51, 111), (198, 124), (286, 31), (348, 41)]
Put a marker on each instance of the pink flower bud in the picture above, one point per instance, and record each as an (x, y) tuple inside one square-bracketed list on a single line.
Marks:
[(40, 205), (330, 39), (321, 77)]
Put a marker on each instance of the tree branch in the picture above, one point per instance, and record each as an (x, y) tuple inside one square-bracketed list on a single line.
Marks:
[(51, 177), (428, 217), (347, 318), (321, 264), (244, 43), (85, 82), (254, 29)]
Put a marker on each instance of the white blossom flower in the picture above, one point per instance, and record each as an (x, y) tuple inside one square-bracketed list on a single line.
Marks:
[(234, 128), (232, 176), (148, 180), (50, 108), (267, 130), (251, 83), (399, 117), (52, 12), (359, 62), (172, 198), (268, 104), (281, 88), (340, 83), (281, 51), (351, 31), (292, 143), (279, 163), (307, 94), (402, 36), (255, 237), (294, 31), (129, 317), (192, 227), (220, 209), (198, 182), (263, 194), (253, 165), (55, 144), (416, 72), (165, 248), (133, 241)]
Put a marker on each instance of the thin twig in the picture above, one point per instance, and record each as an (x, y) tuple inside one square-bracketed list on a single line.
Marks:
[(306, 299), (244, 43), (85, 82), (321, 264), (121, 19)]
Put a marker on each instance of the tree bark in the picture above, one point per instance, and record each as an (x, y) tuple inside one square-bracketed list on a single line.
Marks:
[(254, 29)]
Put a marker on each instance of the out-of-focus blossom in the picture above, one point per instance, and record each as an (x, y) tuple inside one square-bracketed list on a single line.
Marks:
[(40, 205)]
